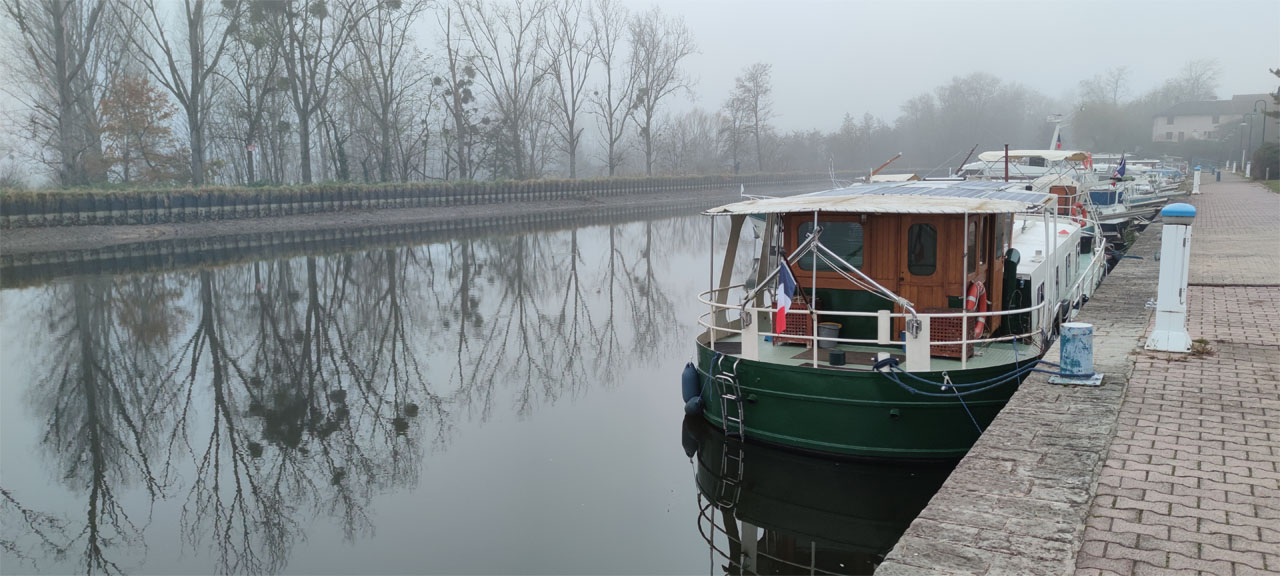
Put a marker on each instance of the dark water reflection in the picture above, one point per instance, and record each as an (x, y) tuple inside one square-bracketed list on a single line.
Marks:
[(495, 405), (763, 510)]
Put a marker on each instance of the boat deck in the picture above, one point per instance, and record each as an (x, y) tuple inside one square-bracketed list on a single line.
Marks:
[(862, 358)]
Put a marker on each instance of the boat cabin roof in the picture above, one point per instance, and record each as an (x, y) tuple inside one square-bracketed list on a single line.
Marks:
[(1044, 182), (920, 197), (1050, 155)]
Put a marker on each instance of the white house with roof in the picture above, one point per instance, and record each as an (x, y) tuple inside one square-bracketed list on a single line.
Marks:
[(1216, 120)]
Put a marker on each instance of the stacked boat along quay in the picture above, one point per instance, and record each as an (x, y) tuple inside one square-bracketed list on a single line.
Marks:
[(1171, 465), (920, 321)]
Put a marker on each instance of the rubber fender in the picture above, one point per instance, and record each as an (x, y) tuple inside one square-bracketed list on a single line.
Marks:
[(693, 406), (688, 439), (690, 386)]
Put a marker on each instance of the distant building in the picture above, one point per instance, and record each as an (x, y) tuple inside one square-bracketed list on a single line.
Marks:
[(1215, 120)]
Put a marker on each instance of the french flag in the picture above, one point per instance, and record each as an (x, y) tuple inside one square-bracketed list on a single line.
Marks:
[(1059, 142), (786, 289), (1119, 169)]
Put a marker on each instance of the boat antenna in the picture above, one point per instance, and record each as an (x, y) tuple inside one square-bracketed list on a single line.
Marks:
[(882, 166), (966, 158), (949, 159)]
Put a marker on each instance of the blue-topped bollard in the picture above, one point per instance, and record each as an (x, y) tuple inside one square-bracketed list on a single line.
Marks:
[(1076, 356), (1195, 181), (1170, 331)]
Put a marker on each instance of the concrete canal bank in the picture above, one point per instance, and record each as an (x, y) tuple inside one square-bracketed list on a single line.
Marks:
[(1171, 465), (28, 240)]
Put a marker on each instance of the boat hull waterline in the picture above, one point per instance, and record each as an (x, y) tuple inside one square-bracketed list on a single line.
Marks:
[(859, 413)]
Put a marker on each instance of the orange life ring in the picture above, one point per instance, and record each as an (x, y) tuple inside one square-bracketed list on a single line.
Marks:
[(977, 302), (1080, 215)]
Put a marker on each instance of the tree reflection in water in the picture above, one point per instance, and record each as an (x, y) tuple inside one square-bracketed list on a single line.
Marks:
[(99, 397), (265, 395)]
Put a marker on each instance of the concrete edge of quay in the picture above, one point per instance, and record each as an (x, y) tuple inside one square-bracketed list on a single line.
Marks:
[(1018, 502)]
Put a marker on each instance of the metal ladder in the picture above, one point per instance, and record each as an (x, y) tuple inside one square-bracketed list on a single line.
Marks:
[(730, 394), (731, 468)]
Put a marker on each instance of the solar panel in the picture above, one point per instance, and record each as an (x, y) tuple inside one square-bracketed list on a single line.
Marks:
[(952, 189)]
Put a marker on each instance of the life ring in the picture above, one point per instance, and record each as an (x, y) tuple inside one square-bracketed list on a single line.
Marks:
[(977, 302), (1080, 215)]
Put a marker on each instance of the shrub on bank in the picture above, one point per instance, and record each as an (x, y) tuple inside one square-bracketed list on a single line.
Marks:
[(1266, 162)]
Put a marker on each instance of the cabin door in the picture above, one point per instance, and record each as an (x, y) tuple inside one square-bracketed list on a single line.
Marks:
[(923, 260)]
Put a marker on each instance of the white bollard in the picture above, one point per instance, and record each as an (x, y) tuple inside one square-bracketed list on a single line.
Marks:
[(1248, 169), (1170, 332), (1195, 181)]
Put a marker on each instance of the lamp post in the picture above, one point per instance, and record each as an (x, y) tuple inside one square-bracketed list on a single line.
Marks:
[(1242, 125), (1264, 118), (1248, 144)]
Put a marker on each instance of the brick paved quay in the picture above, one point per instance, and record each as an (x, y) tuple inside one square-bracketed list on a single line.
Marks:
[(1171, 465), (1192, 480)]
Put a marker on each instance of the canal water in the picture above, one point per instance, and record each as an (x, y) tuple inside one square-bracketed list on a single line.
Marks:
[(489, 404)]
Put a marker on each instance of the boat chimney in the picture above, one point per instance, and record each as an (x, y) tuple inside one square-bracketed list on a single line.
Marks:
[(1006, 162)]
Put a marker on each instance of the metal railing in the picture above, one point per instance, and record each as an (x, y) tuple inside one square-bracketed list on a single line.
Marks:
[(707, 298), (1047, 309)]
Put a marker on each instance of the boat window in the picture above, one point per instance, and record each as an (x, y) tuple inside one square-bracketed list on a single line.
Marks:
[(971, 247), (843, 238), (922, 249)]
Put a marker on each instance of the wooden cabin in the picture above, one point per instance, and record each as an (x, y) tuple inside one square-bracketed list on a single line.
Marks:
[(929, 259)]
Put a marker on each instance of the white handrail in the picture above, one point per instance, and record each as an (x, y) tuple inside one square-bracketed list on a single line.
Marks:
[(753, 310)]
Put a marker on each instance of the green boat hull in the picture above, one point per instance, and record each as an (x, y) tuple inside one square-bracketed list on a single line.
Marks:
[(857, 413), (844, 515)]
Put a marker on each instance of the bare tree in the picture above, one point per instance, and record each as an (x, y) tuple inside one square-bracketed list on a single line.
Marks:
[(658, 45), (61, 44), (689, 143), (314, 32), (1198, 80), (186, 71), (733, 123), (388, 73), (569, 61), (1109, 86), (455, 86), (752, 92), (508, 40), (1117, 83), (611, 103), (254, 61)]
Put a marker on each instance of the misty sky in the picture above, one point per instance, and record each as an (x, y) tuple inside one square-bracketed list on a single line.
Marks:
[(832, 57)]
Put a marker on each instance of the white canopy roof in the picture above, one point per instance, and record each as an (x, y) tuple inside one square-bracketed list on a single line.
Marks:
[(894, 177), (1044, 182), (1050, 155), (920, 197)]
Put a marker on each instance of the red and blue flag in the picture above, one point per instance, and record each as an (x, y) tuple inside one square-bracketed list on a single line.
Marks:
[(786, 289)]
